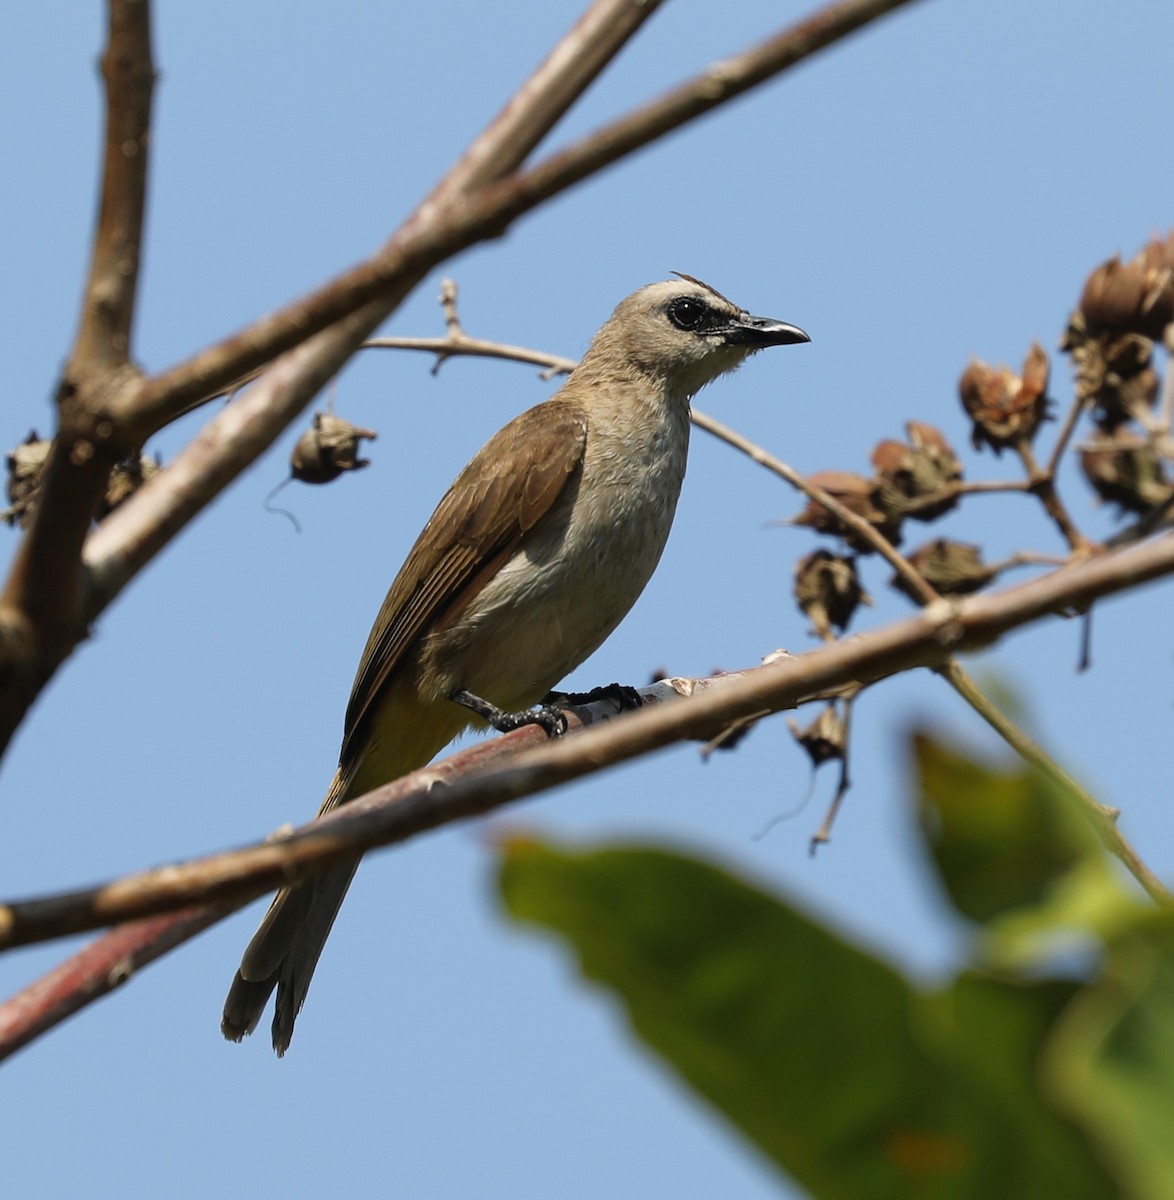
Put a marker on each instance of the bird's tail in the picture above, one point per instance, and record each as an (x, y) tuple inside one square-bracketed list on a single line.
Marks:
[(285, 949)]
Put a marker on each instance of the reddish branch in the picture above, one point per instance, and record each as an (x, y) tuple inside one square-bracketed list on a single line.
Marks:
[(495, 773), (94, 972)]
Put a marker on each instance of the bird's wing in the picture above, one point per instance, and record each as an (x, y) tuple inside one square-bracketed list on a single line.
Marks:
[(510, 484)]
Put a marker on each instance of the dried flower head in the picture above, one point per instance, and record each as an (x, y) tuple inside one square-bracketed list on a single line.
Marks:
[(828, 590), (1132, 297), (824, 739), (858, 495), (328, 448), (950, 568), (1126, 470), (1113, 373), (1006, 408), (916, 478)]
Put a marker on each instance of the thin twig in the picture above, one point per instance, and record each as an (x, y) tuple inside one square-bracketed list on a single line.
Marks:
[(913, 505), (1103, 819), (108, 309), (858, 525), (460, 344), (1027, 558), (1042, 484), (1079, 404)]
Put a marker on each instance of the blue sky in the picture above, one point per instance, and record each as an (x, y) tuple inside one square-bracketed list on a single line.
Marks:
[(934, 188)]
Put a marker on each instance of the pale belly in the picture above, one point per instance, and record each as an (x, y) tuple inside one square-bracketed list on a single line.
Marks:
[(554, 603)]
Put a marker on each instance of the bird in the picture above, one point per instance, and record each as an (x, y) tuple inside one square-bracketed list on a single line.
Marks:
[(532, 558)]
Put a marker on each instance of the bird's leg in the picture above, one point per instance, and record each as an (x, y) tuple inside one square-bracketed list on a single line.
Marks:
[(624, 697), (548, 715)]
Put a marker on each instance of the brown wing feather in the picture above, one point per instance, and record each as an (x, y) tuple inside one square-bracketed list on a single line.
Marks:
[(515, 478)]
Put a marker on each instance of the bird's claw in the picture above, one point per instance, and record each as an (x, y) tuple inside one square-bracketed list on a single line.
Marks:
[(625, 698), (549, 715)]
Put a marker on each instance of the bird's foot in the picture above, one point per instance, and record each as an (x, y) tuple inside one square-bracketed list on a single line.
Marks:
[(548, 715), (624, 697)]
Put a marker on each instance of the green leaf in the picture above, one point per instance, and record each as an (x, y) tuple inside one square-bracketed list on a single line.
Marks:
[(822, 1055), (1001, 840), (1112, 1061)]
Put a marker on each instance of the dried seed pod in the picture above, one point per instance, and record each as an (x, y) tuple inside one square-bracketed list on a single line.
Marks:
[(949, 567), (916, 478), (857, 495), (1132, 297), (1006, 408), (1114, 374), (126, 479), (328, 448), (828, 590), (824, 739), (26, 463), (1126, 470)]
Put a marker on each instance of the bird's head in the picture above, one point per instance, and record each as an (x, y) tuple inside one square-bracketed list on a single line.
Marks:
[(685, 333)]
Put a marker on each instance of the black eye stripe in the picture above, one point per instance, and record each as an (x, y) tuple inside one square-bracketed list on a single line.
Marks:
[(690, 313)]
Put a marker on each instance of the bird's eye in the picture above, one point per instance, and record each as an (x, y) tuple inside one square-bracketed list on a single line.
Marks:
[(687, 313)]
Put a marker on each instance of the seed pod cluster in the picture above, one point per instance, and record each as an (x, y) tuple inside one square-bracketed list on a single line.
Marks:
[(1124, 308), (915, 479)]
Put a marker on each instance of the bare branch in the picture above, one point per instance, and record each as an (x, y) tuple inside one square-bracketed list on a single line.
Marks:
[(1079, 404), (456, 345), (44, 586), (401, 810), (103, 338), (452, 220), (44, 592), (1042, 484), (94, 972)]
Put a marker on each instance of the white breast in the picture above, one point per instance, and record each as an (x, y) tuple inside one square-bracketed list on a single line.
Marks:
[(579, 571)]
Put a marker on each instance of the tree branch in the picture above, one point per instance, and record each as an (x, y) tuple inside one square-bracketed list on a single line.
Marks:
[(403, 809), (43, 596), (44, 584), (141, 527), (104, 336), (448, 223), (95, 971)]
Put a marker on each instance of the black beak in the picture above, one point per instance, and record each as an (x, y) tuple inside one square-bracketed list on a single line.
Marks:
[(759, 332)]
